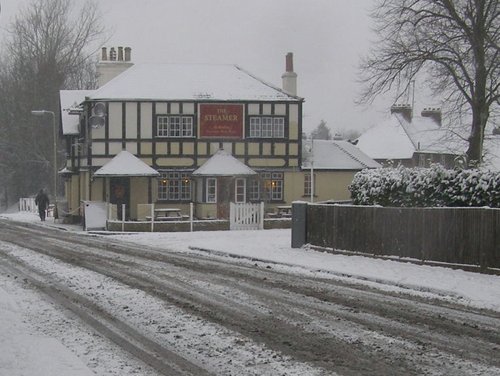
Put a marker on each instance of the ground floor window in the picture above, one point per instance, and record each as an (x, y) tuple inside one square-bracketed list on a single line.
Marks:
[(211, 192), (268, 186), (254, 189), (240, 190), (174, 186), (273, 185), (307, 184)]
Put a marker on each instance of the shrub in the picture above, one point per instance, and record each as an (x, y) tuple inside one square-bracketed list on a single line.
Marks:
[(424, 187)]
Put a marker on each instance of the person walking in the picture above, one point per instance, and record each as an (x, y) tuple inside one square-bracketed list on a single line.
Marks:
[(42, 201)]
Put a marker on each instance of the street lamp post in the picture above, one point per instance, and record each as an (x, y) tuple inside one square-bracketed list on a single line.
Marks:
[(42, 113), (312, 169)]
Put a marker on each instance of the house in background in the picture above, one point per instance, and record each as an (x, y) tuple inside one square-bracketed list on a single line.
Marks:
[(411, 141), (491, 151), (334, 164), (172, 134)]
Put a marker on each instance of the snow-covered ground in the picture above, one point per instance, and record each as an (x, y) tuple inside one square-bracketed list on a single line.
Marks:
[(476, 290)]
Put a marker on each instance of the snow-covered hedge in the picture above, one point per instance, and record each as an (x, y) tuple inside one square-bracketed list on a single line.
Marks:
[(424, 187)]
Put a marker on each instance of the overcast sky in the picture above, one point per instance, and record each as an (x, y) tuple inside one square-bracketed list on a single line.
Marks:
[(327, 38)]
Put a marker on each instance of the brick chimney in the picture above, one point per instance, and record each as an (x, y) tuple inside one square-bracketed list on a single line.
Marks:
[(289, 77), (404, 109), (433, 113), (111, 65)]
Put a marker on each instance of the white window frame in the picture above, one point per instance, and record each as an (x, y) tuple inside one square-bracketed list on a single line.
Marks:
[(255, 127), (254, 190), (240, 189), (307, 184), (175, 126), (211, 197), (274, 185), (174, 186), (267, 127)]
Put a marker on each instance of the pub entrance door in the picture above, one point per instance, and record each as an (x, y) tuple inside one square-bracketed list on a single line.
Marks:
[(224, 193), (119, 195)]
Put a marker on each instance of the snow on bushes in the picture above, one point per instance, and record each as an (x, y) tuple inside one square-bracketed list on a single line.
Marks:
[(424, 187)]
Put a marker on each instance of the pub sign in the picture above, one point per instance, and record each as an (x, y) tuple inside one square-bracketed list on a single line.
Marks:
[(221, 121)]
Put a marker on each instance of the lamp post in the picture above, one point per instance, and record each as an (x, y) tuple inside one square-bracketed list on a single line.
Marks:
[(42, 113), (312, 169)]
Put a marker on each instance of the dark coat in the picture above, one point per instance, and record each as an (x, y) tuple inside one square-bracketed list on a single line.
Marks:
[(42, 200)]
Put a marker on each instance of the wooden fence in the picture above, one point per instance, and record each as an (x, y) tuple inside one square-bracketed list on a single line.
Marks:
[(451, 235)]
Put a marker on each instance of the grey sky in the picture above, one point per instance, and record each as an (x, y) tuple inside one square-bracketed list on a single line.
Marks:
[(327, 38)]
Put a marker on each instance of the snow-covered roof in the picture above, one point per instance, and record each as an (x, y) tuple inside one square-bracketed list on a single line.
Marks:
[(188, 82), (70, 101), (335, 155), (223, 163), (398, 138), (125, 164)]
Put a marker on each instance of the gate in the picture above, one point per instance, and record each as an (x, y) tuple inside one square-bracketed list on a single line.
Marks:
[(246, 216)]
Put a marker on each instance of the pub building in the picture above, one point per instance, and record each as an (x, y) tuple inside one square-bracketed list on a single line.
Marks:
[(175, 134)]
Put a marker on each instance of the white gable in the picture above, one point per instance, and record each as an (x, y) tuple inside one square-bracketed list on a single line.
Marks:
[(125, 164), (223, 164)]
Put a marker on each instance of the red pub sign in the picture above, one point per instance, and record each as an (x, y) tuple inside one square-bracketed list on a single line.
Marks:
[(221, 121)]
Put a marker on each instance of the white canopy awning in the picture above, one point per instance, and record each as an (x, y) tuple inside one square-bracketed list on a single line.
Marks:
[(223, 164), (125, 164)]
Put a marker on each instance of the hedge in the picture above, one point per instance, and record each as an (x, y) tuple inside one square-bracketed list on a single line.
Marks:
[(426, 187)]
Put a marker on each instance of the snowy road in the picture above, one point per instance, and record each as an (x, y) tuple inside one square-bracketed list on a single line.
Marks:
[(198, 314)]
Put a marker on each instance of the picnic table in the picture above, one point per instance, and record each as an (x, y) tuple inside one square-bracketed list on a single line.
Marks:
[(284, 211), (281, 211), (169, 214)]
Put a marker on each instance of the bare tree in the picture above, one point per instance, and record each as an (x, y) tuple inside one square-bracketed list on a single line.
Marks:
[(455, 42), (51, 46)]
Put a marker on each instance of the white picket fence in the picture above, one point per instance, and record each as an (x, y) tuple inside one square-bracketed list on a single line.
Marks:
[(27, 205), (246, 216)]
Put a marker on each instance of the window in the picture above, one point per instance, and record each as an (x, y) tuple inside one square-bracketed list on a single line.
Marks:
[(273, 185), (267, 127), (174, 186), (254, 190), (240, 190), (174, 126), (255, 127), (443, 160), (307, 184), (421, 160), (211, 190)]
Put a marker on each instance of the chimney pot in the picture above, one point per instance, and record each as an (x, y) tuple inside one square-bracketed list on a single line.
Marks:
[(104, 54), (128, 53), (289, 62), (120, 53), (433, 113), (404, 109), (289, 78), (112, 54)]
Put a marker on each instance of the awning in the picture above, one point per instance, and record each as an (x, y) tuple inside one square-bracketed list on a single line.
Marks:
[(125, 164), (223, 164)]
